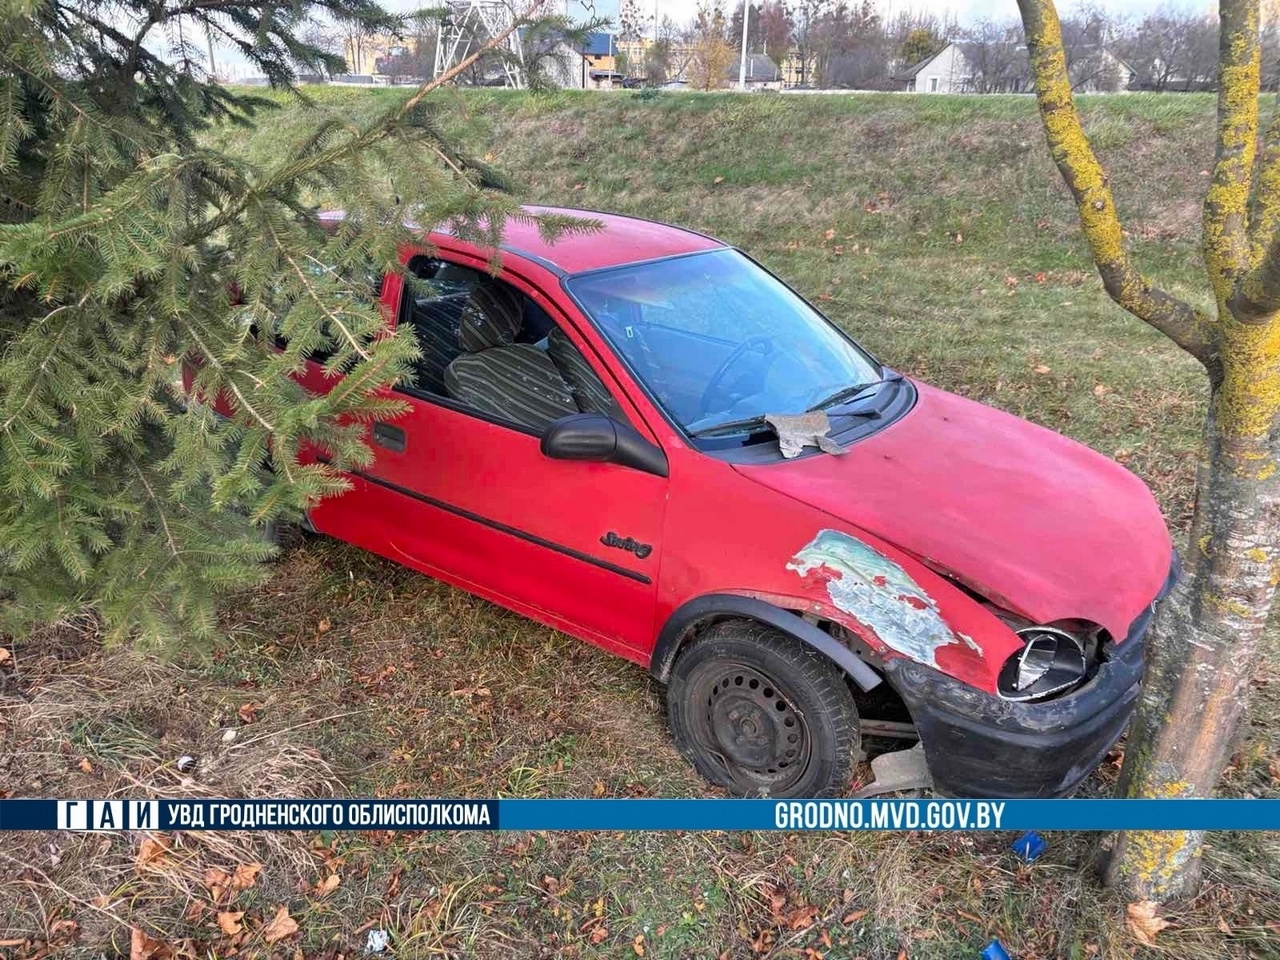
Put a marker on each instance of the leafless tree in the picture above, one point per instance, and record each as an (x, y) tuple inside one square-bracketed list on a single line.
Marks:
[(850, 48), (775, 29), (1087, 35), (996, 56), (1173, 49)]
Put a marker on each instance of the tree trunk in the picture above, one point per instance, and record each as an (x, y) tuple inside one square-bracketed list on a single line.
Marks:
[(1200, 653)]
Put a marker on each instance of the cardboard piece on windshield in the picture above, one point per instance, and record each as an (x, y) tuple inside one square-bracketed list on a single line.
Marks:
[(799, 430)]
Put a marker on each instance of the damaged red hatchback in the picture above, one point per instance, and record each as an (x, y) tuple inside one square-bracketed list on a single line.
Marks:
[(642, 438)]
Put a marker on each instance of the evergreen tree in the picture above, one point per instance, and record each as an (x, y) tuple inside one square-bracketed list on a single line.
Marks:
[(127, 243)]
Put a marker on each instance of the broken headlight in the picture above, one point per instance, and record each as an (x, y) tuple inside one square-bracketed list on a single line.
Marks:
[(1051, 661)]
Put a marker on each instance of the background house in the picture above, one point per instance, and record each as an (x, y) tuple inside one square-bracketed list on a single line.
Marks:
[(947, 71), (599, 52), (979, 66), (762, 73)]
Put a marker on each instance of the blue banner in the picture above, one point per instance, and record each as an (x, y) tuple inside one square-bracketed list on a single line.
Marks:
[(446, 814)]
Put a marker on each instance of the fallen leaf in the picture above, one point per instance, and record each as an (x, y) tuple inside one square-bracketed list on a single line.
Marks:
[(829, 235), (246, 876), (638, 944), (4, 655), (217, 881), (249, 712), (328, 885), (63, 928), (599, 934), (282, 925), (1223, 927), (1100, 389), (324, 625), (229, 922), (143, 947), (151, 853), (85, 765), (802, 918), (1143, 922), (718, 180), (1041, 368), (853, 917)]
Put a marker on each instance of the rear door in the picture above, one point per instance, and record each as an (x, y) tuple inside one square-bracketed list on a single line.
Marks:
[(466, 495)]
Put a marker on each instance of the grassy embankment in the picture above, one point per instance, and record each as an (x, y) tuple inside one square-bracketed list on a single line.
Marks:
[(933, 228)]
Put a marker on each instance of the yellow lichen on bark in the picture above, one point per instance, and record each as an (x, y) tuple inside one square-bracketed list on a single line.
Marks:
[(1225, 233), (1158, 857), (1248, 401)]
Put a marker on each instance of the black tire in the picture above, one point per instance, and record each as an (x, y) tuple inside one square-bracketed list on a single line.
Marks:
[(761, 714), (284, 534)]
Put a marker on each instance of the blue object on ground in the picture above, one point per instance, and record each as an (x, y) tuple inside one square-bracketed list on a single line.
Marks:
[(995, 951), (1029, 846)]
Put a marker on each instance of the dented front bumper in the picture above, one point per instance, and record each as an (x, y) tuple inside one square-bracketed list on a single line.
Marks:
[(980, 745)]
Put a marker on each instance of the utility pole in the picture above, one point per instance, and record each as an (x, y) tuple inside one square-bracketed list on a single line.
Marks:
[(208, 39), (742, 65)]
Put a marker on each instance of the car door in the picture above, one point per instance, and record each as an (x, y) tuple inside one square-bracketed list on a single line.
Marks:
[(462, 491)]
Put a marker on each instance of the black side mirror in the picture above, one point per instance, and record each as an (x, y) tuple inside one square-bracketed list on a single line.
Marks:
[(593, 436)]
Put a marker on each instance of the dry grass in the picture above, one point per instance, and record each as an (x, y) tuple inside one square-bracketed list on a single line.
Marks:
[(347, 675)]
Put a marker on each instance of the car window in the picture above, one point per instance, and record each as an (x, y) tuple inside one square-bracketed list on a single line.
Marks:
[(718, 339), (492, 350), (364, 277)]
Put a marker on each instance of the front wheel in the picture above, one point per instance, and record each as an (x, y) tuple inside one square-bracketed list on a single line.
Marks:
[(761, 714)]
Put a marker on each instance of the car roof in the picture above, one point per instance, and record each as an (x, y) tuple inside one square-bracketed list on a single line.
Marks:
[(619, 240)]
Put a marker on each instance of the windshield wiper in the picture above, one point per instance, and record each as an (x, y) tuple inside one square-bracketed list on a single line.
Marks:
[(763, 421), (848, 393), (743, 424)]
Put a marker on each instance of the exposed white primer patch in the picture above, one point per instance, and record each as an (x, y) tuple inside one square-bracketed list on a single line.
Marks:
[(879, 593)]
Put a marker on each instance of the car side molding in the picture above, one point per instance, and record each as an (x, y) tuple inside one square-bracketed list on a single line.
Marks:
[(726, 605)]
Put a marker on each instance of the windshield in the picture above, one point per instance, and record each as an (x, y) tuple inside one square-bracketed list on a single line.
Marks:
[(718, 340)]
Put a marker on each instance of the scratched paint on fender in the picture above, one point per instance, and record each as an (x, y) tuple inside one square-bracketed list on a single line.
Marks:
[(867, 585)]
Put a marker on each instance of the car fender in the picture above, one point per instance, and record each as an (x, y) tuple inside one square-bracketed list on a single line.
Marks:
[(722, 605)]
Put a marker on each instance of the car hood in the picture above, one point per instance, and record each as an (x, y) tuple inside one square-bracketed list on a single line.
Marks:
[(1036, 523)]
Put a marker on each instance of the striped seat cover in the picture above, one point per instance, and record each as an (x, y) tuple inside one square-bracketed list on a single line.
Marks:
[(501, 378)]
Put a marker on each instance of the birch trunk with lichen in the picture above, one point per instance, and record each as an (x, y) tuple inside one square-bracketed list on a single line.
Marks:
[(1206, 639)]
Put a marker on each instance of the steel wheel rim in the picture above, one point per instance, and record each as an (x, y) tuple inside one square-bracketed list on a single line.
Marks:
[(750, 724)]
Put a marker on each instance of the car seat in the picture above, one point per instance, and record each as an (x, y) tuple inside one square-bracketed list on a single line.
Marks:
[(499, 377), (588, 391), (437, 326)]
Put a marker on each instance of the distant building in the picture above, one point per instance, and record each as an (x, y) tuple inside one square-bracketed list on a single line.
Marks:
[(797, 72), (633, 58), (382, 54), (599, 52), (953, 70), (761, 73), (947, 71)]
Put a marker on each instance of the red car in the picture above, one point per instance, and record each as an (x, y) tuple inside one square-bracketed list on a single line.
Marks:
[(587, 444)]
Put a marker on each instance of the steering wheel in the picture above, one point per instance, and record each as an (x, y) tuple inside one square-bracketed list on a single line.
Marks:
[(766, 348)]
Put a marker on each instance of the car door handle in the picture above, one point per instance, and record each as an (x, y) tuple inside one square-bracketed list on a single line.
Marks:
[(385, 435)]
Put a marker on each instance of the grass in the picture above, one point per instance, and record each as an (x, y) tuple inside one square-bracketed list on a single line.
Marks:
[(933, 228)]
